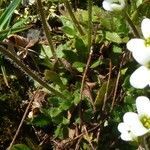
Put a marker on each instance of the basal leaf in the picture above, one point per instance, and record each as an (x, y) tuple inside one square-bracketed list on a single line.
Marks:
[(20, 147)]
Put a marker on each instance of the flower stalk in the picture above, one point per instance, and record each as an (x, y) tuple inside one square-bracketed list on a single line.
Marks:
[(90, 3), (131, 24), (90, 48), (46, 28), (75, 21)]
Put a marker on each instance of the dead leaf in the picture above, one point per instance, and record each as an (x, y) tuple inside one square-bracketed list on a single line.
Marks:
[(23, 44), (39, 100)]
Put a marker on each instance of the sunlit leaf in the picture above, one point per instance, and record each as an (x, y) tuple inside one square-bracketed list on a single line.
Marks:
[(113, 37)]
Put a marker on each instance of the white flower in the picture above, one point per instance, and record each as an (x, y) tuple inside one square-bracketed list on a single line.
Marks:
[(134, 124), (131, 128), (140, 48), (111, 5)]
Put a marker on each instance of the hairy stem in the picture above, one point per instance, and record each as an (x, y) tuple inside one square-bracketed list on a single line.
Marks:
[(90, 2), (133, 27), (76, 23), (28, 71), (90, 49), (46, 28)]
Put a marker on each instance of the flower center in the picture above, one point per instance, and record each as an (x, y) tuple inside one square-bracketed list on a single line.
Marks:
[(148, 65), (145, 121), (147, 42)]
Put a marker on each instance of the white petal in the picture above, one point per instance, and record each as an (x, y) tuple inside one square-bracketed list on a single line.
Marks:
[(129, 117), (123, 127), (135, 45), (126, 134), (143, 105), (145, 27), (110, 6), (140, 52), (127, 137), (140, 78), (135, 124), (107, 5), (142, 57)]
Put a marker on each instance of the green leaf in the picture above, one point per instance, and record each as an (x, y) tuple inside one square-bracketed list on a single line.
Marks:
[(54, 77), (65, 105), (65, 121), (54, 101), (20, 22), (96, 64), (13, 30), (55, 111), (45, 52), (71, 56), (113, 37), (4, 18), (101, 93), (117, 49), (76, 97), (79, 44), (81, 48), (139, 2), (41, 120), (20, 147), (79, 66), (61, 131), (69, 31)]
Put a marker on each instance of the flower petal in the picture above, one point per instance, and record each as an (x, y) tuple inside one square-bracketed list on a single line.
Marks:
[(123, 127), (127, 137), (142, 57), (145, 27), (107, 5), (143, 105), (140, 52), (140, 78), (126, 134), (135, 124), (135, 45), (128, 116)]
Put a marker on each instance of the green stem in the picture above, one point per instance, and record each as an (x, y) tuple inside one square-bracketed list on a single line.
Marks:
[(89, 46), (133, 27), (76, 23), (46, 28), (29, 72), (90, 2)]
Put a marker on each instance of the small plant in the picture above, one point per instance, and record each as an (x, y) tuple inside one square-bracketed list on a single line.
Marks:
[(71, 74)]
